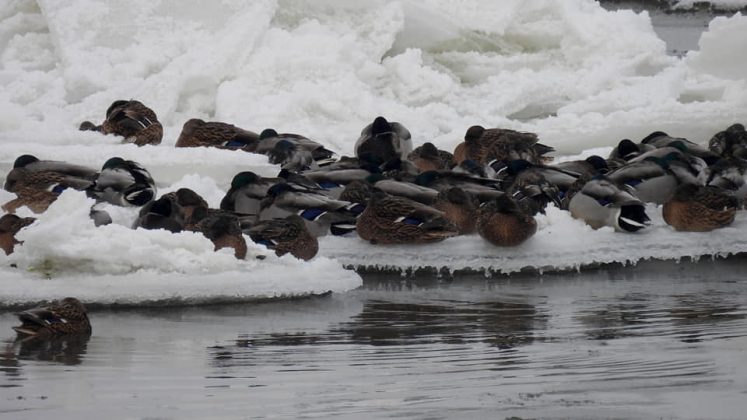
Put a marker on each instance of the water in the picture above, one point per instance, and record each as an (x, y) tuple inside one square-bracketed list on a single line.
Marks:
[(657, 340)]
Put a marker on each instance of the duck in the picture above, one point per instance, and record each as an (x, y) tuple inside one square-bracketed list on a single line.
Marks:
[(67, 316), (516, 170), (199, 133), (501, 222), (389, 219), (649, 179), (322, 214), (699, 208), (123, 183), (485, 145), (246, 194), (626, 150), (600, 202), (27, 164), (481, 188), (532, 192), (282, 147), (729, 174), (287, 235), (459, 207), (10, 224), (591, 166), (222, 228), (730, 143), (132, 120), (661, 139), (163, 213), (382, 141), (406, 189), (40, 189), (428, 157)]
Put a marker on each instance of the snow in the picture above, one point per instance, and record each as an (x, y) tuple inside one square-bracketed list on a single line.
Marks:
[(580, 76)]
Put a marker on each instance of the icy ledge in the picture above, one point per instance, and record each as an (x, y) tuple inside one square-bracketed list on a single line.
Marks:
[(561, 243), (64, 254)]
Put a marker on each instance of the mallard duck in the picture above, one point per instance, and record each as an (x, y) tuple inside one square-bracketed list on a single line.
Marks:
[(697, 208), (501, 222), (591, 166), (334, 181), (246, 194), (38, 190), (67, 316), (459, 207), (163, 213), (730, 175), (650, 179), (24, 165), (199, 133), (406, 189), (532, 193), (600, 202), (130, 119), (626, 150), (322, 214), (10, 224), (661, 139), (124, 183), (286, 235), (485, 145), (481, 188), (382, 141), (730, 143), (284, 148), (429, 158), (222, 228), (389, 219), (357, 192)]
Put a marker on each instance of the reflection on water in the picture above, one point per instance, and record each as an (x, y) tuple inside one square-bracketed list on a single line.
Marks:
[(657, 340)]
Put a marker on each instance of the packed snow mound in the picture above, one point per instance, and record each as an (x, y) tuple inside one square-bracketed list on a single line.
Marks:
[(116, 264)]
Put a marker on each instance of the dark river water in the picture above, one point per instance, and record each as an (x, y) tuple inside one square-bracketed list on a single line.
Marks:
[(660, 340)]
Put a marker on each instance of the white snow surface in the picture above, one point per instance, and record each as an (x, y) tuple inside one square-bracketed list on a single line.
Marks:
[(580, 76)]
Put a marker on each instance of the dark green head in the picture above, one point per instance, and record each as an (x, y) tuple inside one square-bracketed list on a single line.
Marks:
[(268, 133), (627, 149), (24, 160), (242, 179), (598, 162), (374, 178), (653, 136), (679, 145), (427, 178), (114, 162), (380, 125)]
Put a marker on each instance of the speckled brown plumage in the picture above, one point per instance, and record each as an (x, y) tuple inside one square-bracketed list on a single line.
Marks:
[(288, 235), (695, 208), (398, 220), (484, 145), (459, 207), (67, 316), (222, 228), (429, 158), (37, 190), (132, 120), (10, 224), (502, 223), (199, 133)]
